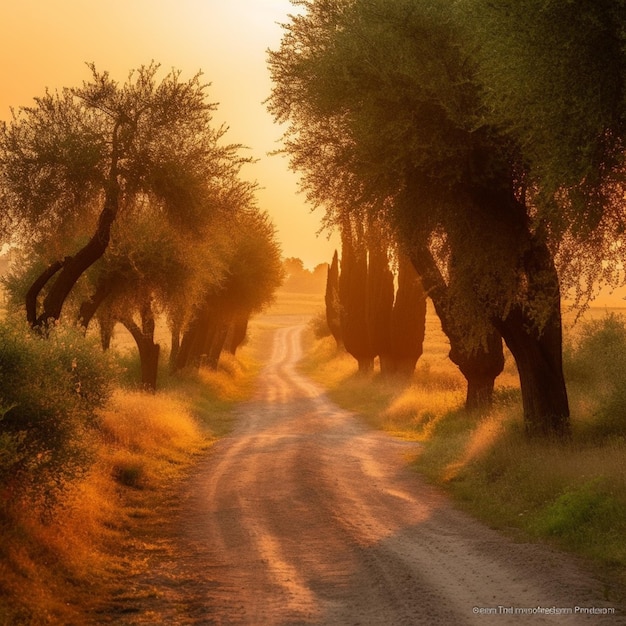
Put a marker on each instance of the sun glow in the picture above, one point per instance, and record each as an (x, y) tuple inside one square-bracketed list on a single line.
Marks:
[(46, 45)]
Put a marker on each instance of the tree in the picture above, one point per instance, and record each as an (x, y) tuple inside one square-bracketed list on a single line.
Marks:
[(301, 280), (406, 133), (332, 301), (353, 296), (558, 92), (253, 273), (380, 297), (408, 320), (86, 155)]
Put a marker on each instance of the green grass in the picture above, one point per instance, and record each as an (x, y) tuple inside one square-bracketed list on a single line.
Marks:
[(570, 495)]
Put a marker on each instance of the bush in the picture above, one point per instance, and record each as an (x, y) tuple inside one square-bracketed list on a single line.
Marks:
[(49, 390), (319, 325), (597, 365)]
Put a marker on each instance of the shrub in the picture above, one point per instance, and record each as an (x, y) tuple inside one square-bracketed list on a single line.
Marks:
[(49, 389), (597, 365), (319, 325)]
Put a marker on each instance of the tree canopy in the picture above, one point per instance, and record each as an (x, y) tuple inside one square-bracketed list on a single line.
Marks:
[(394, 109), (85, 155)]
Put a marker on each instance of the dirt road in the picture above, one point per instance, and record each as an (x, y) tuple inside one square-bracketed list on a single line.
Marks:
[(304, 516)]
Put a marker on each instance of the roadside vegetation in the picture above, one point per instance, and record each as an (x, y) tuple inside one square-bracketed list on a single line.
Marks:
[(129, 234), (569, 494), (89, 474)]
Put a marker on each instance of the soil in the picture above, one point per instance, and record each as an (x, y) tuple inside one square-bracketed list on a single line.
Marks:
[(303, 515)]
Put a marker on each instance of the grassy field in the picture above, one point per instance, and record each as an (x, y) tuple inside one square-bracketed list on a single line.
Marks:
[(569, 495)]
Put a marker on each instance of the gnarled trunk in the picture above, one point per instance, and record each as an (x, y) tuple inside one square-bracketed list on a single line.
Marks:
[(539, 364), (538, 349), (481, 366), (73, 267)]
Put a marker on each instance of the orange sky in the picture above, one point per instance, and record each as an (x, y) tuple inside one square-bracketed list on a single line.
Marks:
[(45, 43)]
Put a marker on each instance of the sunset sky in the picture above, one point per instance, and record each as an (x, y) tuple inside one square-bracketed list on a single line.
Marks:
[(46, 43)]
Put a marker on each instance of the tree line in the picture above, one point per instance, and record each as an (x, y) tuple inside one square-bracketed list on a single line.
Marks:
[(123, 204), (489, 142)]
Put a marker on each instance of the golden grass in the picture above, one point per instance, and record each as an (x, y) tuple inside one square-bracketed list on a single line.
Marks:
[(62, 569)]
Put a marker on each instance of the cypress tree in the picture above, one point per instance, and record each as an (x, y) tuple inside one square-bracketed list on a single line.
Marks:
[(331, 298)]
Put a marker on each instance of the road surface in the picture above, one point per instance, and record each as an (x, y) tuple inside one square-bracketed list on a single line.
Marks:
[(305, 516)]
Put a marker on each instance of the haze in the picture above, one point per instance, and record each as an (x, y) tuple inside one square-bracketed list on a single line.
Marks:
[(46, 45)]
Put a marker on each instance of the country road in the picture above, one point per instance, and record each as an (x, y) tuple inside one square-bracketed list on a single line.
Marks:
[(305, 516)]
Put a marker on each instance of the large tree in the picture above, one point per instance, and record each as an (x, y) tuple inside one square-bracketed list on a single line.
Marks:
[(554, 78), (81, 157), (385, 107)]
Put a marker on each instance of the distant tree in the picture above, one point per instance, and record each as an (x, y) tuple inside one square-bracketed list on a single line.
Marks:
[(333, 302), (353, 295), (298, 279), (80, 158)]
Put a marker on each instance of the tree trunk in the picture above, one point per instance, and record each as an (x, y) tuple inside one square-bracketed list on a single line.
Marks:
[(480, 367), (148, 350), (539, 364), (538, 348), (103, 289), (35, 289), (217, 345), (195, 340), (238, 332), (408, 321), (73, 267), (107, 323), (174, 345)]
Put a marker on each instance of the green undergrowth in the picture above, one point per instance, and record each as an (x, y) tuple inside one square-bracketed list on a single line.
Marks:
[(570, 495)]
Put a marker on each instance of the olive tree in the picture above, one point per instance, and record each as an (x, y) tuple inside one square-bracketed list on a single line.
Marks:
[(385, 107), (81, 157)]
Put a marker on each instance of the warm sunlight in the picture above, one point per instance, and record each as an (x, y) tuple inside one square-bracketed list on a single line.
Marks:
[(212, 412), (47, 44)]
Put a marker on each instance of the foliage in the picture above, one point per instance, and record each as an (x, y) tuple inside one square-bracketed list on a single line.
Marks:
[(553, 76), (298, 279), (73, 162), (597, 363), (331, 300), (50, 390), (319, 325)]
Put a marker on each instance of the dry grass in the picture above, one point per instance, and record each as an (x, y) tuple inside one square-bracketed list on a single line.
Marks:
[(62, 569), (54, 570)]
